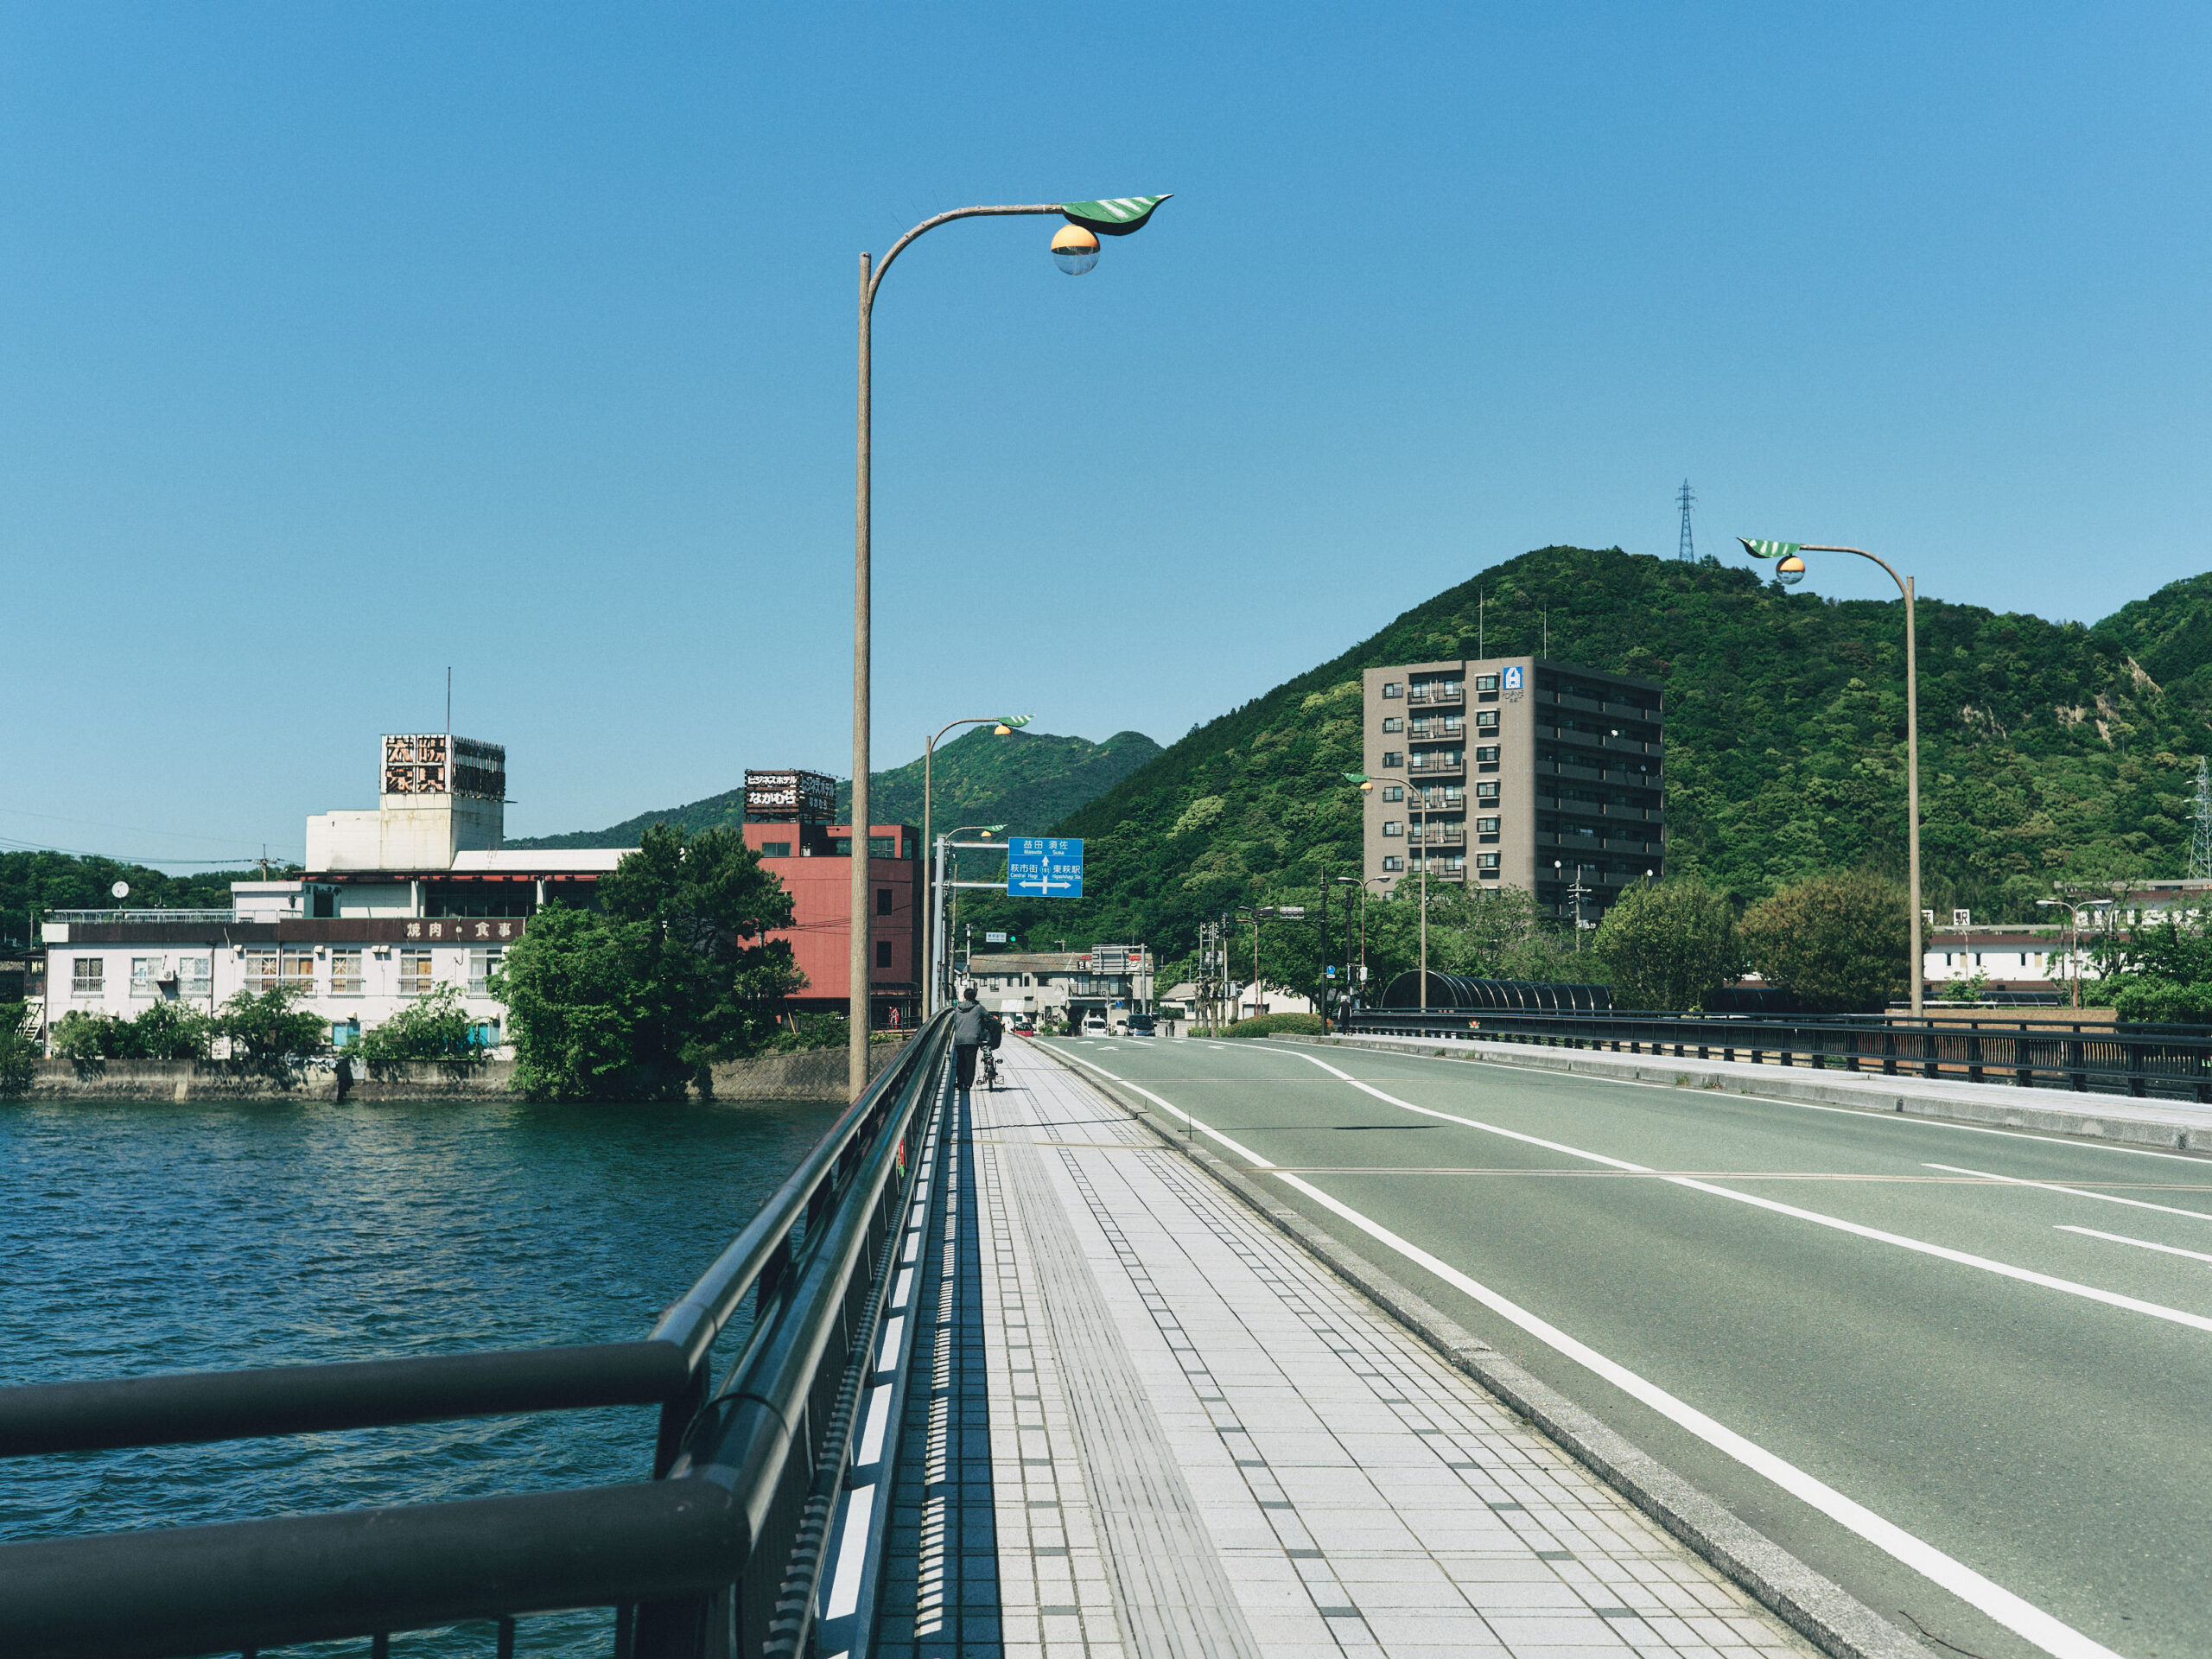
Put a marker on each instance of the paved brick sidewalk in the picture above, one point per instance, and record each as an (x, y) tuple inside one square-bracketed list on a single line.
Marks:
[(1201, 1442)]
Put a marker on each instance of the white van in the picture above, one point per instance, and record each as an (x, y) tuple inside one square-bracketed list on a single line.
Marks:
[(1093, 1026)]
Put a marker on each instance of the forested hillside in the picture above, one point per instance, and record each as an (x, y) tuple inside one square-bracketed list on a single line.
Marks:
[(35, 882), (1027, 781), (2049, 749)]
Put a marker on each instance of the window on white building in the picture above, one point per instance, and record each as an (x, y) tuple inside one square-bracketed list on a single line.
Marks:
[(88, 976), (144, 971), (299, 971), (193, 975), (260, 971), (415, 973), (482, 964), (345, 973), (1394, 826)]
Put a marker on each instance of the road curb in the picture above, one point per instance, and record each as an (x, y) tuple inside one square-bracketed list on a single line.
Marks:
[(2001, 1108), (1814, 1605)]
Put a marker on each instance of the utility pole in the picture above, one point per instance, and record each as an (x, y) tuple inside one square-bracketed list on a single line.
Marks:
[(2200, 826), (1686, 548)]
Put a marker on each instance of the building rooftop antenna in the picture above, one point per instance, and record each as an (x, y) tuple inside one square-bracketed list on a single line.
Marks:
[(1686, 548)]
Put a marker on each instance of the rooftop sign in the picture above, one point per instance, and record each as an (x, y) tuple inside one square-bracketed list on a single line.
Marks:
[(790, 798)]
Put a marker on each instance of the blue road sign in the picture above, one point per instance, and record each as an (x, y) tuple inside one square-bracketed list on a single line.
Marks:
[(1038, 866)]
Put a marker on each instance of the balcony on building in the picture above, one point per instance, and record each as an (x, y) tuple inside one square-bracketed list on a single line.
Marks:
[(1437, 693)]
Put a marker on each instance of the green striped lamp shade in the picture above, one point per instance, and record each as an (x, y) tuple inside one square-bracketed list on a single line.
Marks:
[(1768, 550), (1116, 216)]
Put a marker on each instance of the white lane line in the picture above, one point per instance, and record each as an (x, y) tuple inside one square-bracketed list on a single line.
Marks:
[(2139, 1244), (1869, 1111), (887, 1357), (852, 1555), (2019, 1616), (1920, 1247), (2071, 1191), (1169, 1106)]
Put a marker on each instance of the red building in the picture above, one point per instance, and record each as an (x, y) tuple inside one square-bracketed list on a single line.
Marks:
[(809, 859)]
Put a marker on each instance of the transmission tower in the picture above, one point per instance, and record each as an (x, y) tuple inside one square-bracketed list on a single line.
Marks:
[(2200, 826), (1686, 549)]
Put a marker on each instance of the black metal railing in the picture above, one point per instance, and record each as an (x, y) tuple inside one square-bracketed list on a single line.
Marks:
[(2162, 1062), (717, 1555)]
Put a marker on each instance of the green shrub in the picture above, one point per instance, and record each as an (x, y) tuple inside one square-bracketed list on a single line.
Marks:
[(1268, 1025), (2145, 1001), (18, 1051), (80, 1036), (171, 1030), (266, 1030), (434, 1029), (804, 1031)]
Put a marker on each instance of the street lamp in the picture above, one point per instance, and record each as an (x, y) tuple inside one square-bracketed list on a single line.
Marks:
[(941, 927), (1367, 783), (1001, 726), (2074, 909), (1789, 570), (1118, 217)]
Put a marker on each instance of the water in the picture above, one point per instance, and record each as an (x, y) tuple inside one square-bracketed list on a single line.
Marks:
[(138, 1237)]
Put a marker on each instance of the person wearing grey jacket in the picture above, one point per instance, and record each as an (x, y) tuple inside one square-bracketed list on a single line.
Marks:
[(974, 1027)]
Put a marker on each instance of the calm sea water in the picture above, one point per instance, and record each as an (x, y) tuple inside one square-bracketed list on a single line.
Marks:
[(144, 1238)]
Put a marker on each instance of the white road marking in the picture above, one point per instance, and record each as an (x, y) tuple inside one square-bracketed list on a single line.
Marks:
[(2139, 1244), (852, 1554), (1921, 1247), (1808, 1106), (1169, 1106), (2015, 1614), (887, 1357), (905, 1284), (2071, 1191)]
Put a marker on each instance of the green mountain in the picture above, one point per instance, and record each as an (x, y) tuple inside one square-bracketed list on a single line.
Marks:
[(34, 881), (2049, 749), (1025, 781)]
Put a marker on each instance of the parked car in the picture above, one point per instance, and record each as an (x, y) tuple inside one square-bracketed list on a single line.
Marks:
[(1094, 1025), (1140, 1025), (1025, 1026)]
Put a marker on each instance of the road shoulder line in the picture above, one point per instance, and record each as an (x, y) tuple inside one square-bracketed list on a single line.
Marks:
[(1835, 1621)]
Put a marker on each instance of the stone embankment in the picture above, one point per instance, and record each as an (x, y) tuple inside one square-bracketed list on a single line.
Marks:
[(810, 1074)]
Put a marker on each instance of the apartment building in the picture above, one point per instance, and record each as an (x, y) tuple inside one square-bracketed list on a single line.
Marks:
[(1515, 771)]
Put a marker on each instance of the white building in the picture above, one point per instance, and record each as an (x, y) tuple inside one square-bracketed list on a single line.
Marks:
[(396, 902)]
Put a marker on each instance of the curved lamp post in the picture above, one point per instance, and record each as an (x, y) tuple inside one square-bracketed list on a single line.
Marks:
[(1001, 726), (1117, 217), (1789, 570), (1366, 783), (943, 982)]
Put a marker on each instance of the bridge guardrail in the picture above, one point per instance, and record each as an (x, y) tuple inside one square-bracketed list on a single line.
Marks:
[(699, 1563), (2159, 1062)]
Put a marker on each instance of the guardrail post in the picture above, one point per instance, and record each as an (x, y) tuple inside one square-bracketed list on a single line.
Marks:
[(2023, 1069), (1929, 1067), (1851, 1048), (1974, 1051), (2135, 1082), (1889, 1050), (2203, 1085), (2077, 1073)]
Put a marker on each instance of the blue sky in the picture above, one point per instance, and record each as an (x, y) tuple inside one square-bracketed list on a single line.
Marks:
[(343, 343)]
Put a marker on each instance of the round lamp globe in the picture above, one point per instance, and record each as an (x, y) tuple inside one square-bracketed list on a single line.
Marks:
[(1074, 249), (1790, 571)]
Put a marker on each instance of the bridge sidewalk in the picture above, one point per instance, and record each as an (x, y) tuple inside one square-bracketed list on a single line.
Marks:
[(1203, 1443)]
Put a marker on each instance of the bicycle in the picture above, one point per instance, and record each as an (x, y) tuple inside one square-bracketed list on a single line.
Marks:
[(987, 1065)]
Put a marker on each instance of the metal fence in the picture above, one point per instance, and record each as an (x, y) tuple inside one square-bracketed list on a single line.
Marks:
[(2167, 1062), (718, 1554)]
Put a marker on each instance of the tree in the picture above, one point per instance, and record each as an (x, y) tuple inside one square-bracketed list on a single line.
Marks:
[(1841, 943), (1668, 945), (268, 1030), (674, 971), (18, 1052), (171, 1030), (436, 1027)]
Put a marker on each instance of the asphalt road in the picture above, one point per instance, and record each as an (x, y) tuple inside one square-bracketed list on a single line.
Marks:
[(1941, 1387)]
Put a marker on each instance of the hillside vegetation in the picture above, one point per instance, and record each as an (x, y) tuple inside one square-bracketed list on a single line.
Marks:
[(2049, 749), (1026, 780), (31, 882)]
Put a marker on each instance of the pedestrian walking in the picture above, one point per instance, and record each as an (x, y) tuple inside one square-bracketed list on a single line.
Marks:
[(973, 1027)]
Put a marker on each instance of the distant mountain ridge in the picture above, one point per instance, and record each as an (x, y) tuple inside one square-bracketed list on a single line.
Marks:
[(1027, 781)]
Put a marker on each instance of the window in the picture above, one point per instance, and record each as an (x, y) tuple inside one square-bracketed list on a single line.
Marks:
[(883, 846), (883, 956), (345, 973), (1485, 682), (1393, 758), (482, 964), (1453, 794), (1453, 724), (299, 971), (1393, 862), (883, 901), (1486, 756), (1392, 688), (415, 973), (1485, 860), (1393, 827), (1487, 792), (144, 971), (194, 975), (1486, 826), (1486, 719), (1392, 723), (1393, 792), (259, 971), (88, 976), (775, 850)]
